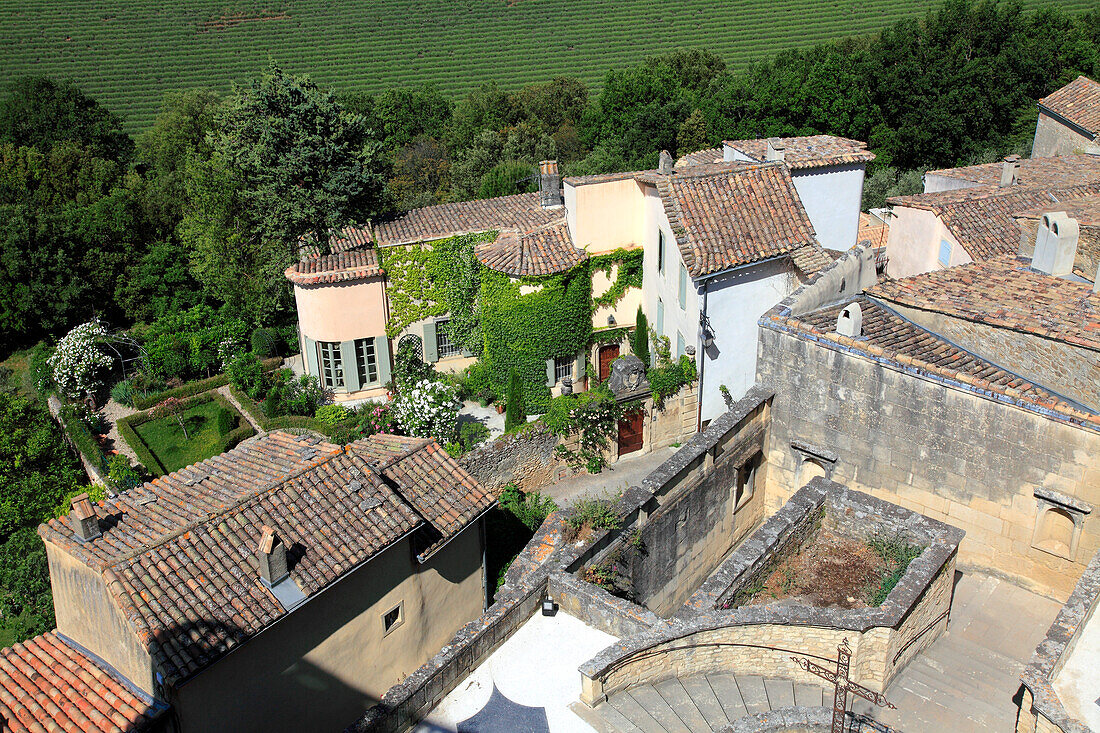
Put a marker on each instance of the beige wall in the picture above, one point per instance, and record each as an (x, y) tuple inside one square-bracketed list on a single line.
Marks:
[(914, 243), (624, 312), (605, 216), (1054, 138), (88, 615), (323, 665), (342, 311)]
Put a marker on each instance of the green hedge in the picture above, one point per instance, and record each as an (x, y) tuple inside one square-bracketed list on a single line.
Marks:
[(144, 402), (127, 424), (283, 422), (83, 439)]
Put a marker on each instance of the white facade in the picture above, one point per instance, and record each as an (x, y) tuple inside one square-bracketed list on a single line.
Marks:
[(661, 287), (832, 196)]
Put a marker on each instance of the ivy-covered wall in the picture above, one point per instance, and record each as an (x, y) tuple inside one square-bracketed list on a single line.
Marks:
[(523, 331)]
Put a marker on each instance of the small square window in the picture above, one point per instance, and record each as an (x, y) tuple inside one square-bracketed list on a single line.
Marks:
[(393, 618)]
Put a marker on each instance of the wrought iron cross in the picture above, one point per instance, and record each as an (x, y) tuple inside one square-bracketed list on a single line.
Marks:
[(842, 685)]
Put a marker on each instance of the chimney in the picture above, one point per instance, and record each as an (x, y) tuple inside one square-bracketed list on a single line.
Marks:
[(84, 520), (549, 185), (1055, 244), (777, 149), (1008, 170), (271, 555), (664, 163), (850, 321)]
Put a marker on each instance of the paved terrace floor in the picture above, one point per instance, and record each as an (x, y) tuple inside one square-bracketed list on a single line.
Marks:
[(526, 685), (625, 472), (968, 679)]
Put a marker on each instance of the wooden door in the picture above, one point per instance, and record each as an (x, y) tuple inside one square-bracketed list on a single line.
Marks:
[(630, 432), (608, 354)]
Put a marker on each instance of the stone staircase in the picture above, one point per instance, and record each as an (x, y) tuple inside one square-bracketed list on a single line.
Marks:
[(697, 704)]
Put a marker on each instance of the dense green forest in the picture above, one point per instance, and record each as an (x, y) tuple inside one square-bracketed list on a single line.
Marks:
[(180, 234)]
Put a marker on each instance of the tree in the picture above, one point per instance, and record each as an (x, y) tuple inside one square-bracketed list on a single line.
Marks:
[(421, 174), (172, 407), (303, 164), (639, 343), (79, 360), (39, 112), (506, 179), (516, 411)]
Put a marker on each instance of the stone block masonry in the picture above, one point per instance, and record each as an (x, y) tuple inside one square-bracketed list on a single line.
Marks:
[(937, 448)]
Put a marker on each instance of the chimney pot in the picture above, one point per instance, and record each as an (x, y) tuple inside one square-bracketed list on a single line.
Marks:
[(664, 163), (271, 556), (83, 518), (850, 321), (777, 149), (1055, 244), (1008, 170), (550, 196)]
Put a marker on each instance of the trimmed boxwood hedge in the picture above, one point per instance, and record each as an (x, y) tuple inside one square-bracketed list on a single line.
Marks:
[(283, 422), (144, 402), (127, 424), (82, 439)]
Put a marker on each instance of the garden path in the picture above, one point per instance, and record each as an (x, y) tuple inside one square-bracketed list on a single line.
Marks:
[(224, 392), (114, 411)]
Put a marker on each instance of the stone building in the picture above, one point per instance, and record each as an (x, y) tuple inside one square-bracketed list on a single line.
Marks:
[(967, 394), (1069, 119), (284, 572), (968, 214)]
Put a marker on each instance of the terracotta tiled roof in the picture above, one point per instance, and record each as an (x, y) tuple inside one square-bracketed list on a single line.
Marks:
[(334, 268), (891, 338), (982, 218), (48, 685), (729, 215), (1085, 209), (1056, 172), (811, 259), (429, 479), (545, 251), (1078, 102), (710, 155), (521, 212), (813, 151), (1004, 292), (873, 230), (605, 177), (177, 553)]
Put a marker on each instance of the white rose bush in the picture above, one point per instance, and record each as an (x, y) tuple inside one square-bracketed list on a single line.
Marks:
[(428, 409), (79, 359)]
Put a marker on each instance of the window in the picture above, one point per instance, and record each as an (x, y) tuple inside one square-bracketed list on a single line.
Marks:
[(683, 286), (332, 364), (945, 253), (679, 344), (1058, 523), (443, 345), (366, 361), (660, 251), (746, 480), (660, 317), (563, 367), (393, 618)]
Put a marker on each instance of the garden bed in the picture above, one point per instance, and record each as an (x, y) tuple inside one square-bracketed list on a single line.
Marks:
[(160, 443)]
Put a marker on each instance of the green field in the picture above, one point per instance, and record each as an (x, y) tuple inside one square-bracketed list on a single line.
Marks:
[(127, 53)]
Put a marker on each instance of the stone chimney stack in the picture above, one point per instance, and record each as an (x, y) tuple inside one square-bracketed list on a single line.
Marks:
[(777, 149), (549, 185), (1056, 244), (84, 520), (271, 556), (1008, 170), (664, 163)]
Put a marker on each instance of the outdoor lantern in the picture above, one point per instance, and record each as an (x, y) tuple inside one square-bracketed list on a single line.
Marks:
[(611, 319), (549, 608)]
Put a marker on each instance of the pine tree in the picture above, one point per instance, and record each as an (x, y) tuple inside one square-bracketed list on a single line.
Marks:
[(640, 341), (515, 410)]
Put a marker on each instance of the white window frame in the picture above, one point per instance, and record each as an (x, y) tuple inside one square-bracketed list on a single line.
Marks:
[(366, 361), (945, 253), (563, 367), (331, 361), (444, 348)]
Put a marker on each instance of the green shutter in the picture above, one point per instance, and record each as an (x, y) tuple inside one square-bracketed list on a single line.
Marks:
[(382, 356), (311, 359), (683, 286), (351, 366), (431, 354), (550, 381), (578, 368)]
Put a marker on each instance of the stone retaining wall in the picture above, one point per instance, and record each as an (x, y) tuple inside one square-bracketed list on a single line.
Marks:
[(526, 458)]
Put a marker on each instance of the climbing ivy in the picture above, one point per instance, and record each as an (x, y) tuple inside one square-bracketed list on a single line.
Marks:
[(628, 276), (522, 331), (431, 279)]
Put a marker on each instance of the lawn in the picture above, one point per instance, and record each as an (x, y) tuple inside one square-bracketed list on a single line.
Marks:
[(127, 53), (164, 437)]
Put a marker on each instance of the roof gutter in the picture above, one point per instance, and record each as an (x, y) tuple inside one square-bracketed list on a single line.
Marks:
[(743, 266)]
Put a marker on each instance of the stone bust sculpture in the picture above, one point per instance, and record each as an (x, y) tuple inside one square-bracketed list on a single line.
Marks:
[(627, 376)]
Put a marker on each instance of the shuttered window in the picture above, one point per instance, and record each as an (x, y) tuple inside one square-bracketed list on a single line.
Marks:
[(563, 367), (660, 251), (660, 317), (366, 361), (683, 286), (332, 364), (443, 345)]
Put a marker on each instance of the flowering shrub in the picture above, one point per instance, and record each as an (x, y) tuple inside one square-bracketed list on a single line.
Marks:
[(78, 361), (428, 409), (592, 416), (376, 419)]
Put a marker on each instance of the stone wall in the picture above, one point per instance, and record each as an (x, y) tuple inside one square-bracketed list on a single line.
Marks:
[(673, 422), (526, 457), (932, 446), (1068, 370), (1052, 137), (699, 520)]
